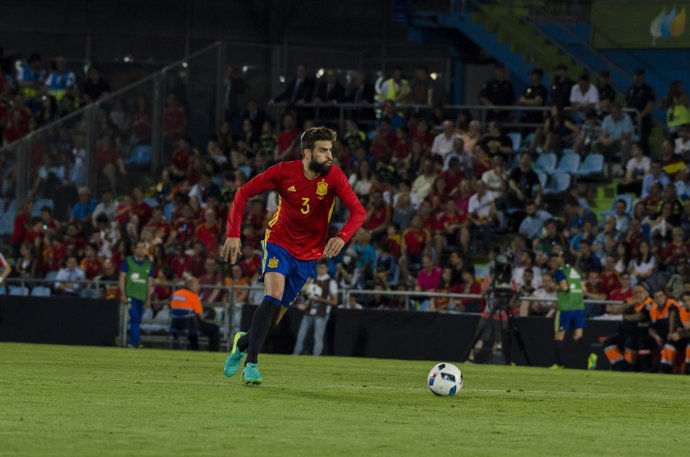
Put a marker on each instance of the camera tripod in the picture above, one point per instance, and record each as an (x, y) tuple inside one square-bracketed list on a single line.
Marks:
[(500, 302)]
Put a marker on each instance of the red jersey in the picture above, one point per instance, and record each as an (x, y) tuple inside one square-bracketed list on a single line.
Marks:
[(300, 224), (621, 294)]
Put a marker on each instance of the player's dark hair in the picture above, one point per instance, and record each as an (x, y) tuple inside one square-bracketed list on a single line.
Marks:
[(314, 134)]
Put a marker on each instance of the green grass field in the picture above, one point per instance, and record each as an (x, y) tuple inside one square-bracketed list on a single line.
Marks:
[(82, 401)]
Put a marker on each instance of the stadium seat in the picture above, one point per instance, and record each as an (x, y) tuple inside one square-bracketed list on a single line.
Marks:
[(516, 138), (167, 211), (18, 290), (3, 291), (569, 163), (546, 162), (593, 165), (11, 206), (6, 223), (51, 275), (40, 204), (141, 155), (558, 184), (543, 178), (627, 198), (152, 202), (40, 291)]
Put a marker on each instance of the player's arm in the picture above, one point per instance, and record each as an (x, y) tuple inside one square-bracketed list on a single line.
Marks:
[(267, 180), (357, 214)]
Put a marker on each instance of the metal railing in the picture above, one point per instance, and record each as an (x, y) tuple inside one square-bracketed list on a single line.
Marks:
[(479, 112), (231, 319)]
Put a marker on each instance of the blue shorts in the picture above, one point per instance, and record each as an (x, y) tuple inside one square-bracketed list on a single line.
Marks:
[(571, 320), (277, 259)]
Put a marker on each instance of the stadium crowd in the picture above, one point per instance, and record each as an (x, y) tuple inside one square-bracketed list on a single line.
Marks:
[(442, 191)]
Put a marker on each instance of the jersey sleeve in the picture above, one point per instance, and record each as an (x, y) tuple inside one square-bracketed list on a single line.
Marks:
[(349, 198), (560, 276), (267, 180)]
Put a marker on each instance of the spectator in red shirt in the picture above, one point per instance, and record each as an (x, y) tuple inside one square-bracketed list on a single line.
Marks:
[(21, 225), (383, 143), (414, 241), (609, 276), (197, 259), (422, 136), (446, 286), (174, 117), (401, 147), (141, 121), (49, 221), (470, 285), (211, 277), (455, 231), (428, 279), (257, 214), (185, 228), (378, 216), (208, 232), (91, 264), (286, 142), (109, 161), (623, 293), (161, 228), (180, 262), (439, 193), (251, 261), (181, 160), (140, 208), (676, 251)]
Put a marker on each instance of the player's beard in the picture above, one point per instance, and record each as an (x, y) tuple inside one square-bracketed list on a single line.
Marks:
[(319, 168)]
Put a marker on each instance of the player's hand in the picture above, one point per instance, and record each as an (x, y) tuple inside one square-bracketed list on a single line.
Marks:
[(231, 249), (333, 247)]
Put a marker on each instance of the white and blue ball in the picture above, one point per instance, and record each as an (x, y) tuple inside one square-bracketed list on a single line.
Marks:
[(445, 379)]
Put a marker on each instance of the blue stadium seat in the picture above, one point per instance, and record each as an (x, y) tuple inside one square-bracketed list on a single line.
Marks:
[(543, 178), (40, 291), (51, 275), (593, 165), (546, 162), (558, 184), (627, 198), (40, 204), (18, 290), (7, 223), (152, 202), (141, 155), (167, 211), (516, 138), (569, 163)]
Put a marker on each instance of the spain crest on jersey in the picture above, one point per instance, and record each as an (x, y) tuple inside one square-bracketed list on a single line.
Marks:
[(321, 188)]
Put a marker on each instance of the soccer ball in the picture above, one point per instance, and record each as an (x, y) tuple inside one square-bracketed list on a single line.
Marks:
[(445, 379), (312, 290)]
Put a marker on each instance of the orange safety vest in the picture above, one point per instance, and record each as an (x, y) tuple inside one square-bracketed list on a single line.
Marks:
[(186, 299)]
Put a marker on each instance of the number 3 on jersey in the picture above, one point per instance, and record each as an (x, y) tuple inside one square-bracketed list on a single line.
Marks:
[(305, 206)]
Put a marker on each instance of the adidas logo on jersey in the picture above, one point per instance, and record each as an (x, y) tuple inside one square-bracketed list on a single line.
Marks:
[(292, 189)]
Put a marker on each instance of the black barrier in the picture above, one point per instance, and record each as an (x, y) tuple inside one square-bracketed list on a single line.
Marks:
[(59, 320), (414, 335)]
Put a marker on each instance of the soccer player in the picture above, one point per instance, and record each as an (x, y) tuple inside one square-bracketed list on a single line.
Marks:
[(570, 297), (295, 237)]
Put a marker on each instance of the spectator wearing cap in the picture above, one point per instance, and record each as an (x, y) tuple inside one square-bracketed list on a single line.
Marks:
[(607, 93), (583, 97), (561, 87), (641, 97), (534, 96)]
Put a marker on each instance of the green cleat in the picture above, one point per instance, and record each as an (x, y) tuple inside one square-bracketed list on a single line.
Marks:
[(251, 375), (234, 360), (592, 361), (556, 366)]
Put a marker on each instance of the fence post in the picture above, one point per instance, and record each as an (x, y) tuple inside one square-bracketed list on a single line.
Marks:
[(221, 64), (91, 145), (157, 122)]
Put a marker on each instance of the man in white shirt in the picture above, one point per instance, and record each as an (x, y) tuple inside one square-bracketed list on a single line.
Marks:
[(68, 279), (423, 183), (482, 214), (443, 143), (496, 179), (682, 143), (322, 294), (583, 97), (539, 307)]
